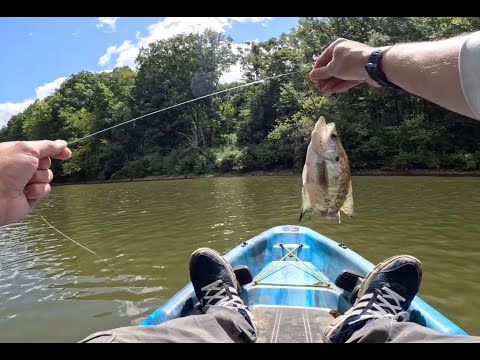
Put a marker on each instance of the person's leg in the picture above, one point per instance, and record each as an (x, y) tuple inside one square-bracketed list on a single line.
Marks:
[(392, 331), (218, 325), (225, 317), (379, 314)]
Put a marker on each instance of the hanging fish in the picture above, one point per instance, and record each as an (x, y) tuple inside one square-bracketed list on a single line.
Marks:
[(327, 186)]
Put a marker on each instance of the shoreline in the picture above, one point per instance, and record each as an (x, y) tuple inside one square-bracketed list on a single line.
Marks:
[(413, 172)]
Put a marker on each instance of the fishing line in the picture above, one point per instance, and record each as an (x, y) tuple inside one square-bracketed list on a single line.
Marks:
[(91, 251), (144, 116), (185, 102)]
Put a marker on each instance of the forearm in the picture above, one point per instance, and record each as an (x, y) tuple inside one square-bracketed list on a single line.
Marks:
[(429, 70)]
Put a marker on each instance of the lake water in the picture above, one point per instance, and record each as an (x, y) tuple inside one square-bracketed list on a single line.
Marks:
[(54, 290)]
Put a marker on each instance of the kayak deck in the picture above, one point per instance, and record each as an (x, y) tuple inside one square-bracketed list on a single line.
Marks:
[(288, 275), (290, 324), (283, 324), (293, 273)]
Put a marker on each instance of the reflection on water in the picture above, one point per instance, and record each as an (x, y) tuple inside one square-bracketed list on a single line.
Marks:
[(53, 290)]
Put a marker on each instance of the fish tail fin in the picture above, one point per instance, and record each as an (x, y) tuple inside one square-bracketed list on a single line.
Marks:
[(347, 206), (302, 212)]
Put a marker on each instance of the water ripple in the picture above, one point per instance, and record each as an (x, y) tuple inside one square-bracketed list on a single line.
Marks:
[(147, 231)]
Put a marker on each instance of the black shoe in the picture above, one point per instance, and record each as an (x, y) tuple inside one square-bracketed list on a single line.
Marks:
[(387, 292), (215, 283)]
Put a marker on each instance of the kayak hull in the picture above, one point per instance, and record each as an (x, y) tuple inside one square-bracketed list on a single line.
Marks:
[(296, 267)]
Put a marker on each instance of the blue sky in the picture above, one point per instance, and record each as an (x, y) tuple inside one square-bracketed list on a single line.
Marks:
[(39, 53)]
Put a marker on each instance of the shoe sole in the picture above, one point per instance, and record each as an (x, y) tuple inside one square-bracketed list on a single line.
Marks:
[(378, 268), (333, 325), (224, 262), (368, 279)]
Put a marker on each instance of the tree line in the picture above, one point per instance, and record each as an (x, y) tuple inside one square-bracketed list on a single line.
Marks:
[(262, 127)]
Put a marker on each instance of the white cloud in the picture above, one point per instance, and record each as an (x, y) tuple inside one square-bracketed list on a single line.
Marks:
[(262, 20), (43, 91), (9, 109), (105, 58), (76, 33), (30, 34), (125, 54), (233, 74), (108, 24)]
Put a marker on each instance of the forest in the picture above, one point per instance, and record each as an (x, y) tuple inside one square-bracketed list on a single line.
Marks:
[(263, 127)]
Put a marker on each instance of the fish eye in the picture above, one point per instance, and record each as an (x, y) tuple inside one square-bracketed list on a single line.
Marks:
[(333, 136)]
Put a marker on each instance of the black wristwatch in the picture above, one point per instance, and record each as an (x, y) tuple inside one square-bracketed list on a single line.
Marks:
[(374, 69)]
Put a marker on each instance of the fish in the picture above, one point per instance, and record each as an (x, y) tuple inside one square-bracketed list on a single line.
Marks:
[(327, 184)]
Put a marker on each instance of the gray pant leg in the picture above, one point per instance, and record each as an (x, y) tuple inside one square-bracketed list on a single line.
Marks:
[(218, 325), (392, 331)]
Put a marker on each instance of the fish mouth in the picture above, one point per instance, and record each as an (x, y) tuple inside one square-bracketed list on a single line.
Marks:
[(321, 124)]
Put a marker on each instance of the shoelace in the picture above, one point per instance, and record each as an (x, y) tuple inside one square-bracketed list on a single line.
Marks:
[(226, 295), (382, 308)]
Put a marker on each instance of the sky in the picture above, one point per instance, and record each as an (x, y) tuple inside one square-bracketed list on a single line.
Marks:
[(40, 53)]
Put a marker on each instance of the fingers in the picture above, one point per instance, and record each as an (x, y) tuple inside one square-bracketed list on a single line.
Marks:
[(320, 84), (44, 163), (329, 84), (342, 86), (36, 191), (43, 148), (321, 73), (64, 155), (327, 54), (323, 67), (340, 67), (32, 202), (39, 185), (335, 85), (41, 176)]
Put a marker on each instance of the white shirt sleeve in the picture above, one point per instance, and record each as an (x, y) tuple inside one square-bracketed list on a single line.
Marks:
[(469, 67)]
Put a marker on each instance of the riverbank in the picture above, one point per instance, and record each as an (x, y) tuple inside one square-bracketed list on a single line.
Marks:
[(413, 172), (416, 172)]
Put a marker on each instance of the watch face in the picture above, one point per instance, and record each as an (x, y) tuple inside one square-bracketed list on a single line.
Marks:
[(374, 69)]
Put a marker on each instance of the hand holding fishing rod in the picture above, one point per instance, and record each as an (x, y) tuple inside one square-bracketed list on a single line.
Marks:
[(341, 66), (25, 175), (443, 71)]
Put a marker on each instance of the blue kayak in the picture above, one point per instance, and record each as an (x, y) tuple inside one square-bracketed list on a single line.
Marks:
[(295, 280)]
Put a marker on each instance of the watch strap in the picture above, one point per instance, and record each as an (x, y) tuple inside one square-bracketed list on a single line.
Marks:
[(374, 68)]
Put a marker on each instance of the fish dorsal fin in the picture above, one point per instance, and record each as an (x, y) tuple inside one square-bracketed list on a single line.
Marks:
[(347, 206)]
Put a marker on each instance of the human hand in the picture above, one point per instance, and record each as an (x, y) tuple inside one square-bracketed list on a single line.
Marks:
[(25, 175), (341, 66)]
